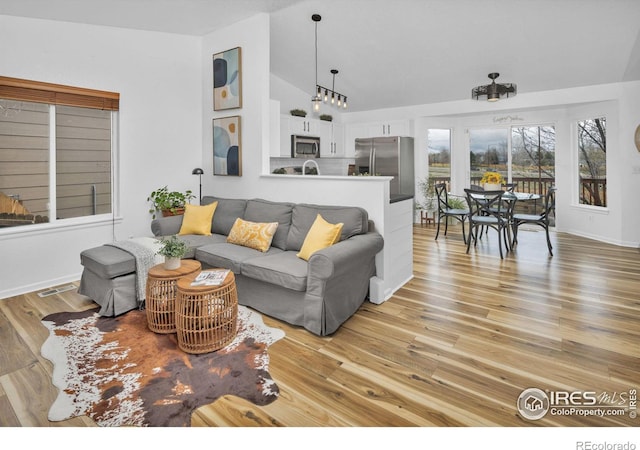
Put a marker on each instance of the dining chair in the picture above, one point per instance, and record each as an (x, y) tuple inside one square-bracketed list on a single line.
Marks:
[(511, 187), (445, 211), (541, 219), (488, 210)]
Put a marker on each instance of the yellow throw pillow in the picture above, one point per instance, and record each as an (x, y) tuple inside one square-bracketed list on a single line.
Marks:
[(322, 234), (252, 234), (197, 219)]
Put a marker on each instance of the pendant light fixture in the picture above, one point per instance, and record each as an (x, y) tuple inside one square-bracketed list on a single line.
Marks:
[(316, 99), (494, 92), (336, 97)]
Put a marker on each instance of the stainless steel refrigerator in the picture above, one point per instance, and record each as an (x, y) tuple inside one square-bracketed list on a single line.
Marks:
[(388, 156)]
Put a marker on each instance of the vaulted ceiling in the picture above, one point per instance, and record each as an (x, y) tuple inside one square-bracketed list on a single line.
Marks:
[(402, 52)]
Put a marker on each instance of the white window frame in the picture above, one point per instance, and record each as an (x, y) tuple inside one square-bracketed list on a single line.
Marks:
[(576, 115), (74, 222)]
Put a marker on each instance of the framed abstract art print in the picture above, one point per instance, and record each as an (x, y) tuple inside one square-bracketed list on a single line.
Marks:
[(227, 148), (227, 80)]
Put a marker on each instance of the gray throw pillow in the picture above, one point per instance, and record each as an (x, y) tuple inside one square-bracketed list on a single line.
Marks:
[(355, 221), (226, 213), (259, 210)]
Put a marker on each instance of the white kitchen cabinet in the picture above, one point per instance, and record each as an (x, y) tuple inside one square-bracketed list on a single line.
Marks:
[(337, 139), (331, 139), (298, 126), (372, 129), (388, 128), (331, 135), (324, 131), (301, 126)]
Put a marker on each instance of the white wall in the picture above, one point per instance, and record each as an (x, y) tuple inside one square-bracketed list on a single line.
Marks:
[(158, 78), (629, 176)]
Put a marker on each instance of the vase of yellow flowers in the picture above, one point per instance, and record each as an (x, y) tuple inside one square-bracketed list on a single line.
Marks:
[(492, 181)]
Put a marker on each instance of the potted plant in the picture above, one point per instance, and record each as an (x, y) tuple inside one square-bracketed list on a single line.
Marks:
[(173, 249), (456, 203), (492, 181), (327, 117), (426, 187), (298, 112), (171, 203), (428, 190)]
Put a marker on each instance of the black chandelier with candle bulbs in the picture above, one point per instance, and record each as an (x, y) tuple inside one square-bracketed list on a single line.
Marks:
[(324, 93), (331, 95)]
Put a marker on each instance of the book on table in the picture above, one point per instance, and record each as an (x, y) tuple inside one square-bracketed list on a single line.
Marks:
[(210, 277)]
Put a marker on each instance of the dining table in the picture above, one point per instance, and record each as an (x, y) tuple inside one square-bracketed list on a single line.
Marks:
[(509, 196)]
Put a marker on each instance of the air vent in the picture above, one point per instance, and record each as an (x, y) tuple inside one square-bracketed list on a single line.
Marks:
[(57, 290)]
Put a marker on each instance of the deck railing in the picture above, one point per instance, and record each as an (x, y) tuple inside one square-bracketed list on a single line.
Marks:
[(593, 191)]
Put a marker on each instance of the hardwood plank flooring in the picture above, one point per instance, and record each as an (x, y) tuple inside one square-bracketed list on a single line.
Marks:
[(454, 347)]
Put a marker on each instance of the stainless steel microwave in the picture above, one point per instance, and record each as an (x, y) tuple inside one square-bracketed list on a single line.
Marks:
[(305, 146)]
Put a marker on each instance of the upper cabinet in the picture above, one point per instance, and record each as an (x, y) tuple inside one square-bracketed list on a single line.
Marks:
[(388, 128), (373, 129), (297, 126), (331, 135), (302, 126)]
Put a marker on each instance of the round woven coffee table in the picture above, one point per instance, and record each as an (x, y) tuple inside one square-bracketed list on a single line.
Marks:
[(206, 316), (160, 301)]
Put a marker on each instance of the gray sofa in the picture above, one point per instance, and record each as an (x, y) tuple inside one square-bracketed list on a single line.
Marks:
[(319, 294)]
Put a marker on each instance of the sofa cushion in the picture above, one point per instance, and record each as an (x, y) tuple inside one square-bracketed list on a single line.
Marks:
[(257, 235), (229, 256), (282, 269), (194, 241), (108, 262), (355, 220), (197, 219), (259, 210), (227, 211), (321, 235)]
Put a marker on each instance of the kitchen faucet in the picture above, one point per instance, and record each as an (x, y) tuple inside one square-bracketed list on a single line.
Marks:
[(304, 166)]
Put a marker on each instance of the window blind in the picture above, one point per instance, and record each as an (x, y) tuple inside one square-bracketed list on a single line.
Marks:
[(57, 94)]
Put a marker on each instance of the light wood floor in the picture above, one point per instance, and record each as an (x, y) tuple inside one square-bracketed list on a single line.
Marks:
[(454, 347)]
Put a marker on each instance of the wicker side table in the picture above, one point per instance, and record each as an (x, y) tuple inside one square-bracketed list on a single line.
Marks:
[(160, 302), (206, 316)]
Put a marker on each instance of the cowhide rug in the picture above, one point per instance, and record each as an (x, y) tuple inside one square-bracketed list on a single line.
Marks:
[(119, 373)]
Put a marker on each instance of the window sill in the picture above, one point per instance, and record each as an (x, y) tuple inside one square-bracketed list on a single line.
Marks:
[(58, 225)]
